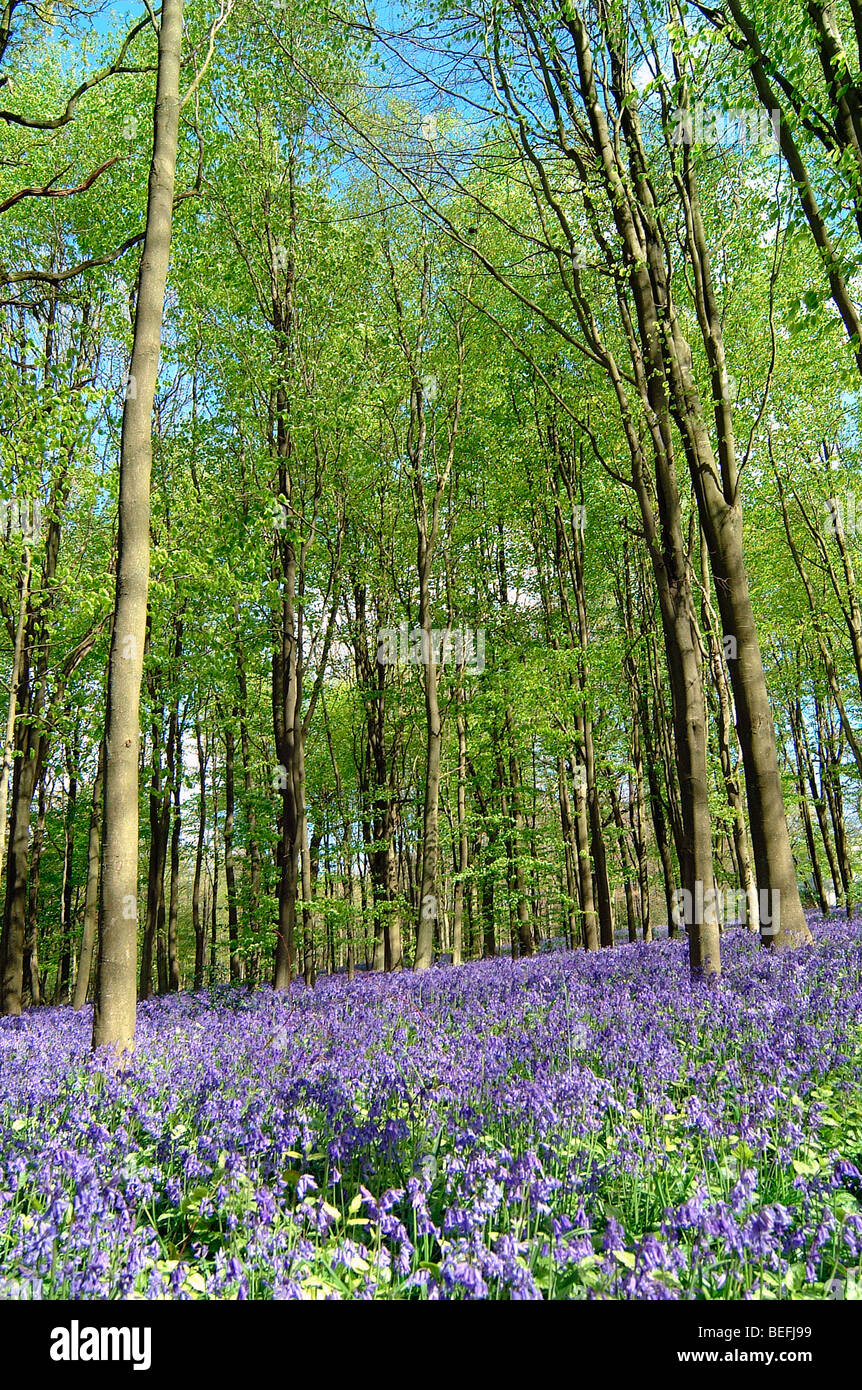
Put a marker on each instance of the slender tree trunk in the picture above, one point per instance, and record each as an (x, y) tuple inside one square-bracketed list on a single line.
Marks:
[(215, 878), (433, 750), (353, 899), (583, 722), (597, 837), (638, 830), (309, 968), (627, 863), (64, 968), (173, 907), (199, 921), (287, 672), (91, 895), (818, 797), (802, 769), (659, 824), (567, 827), (463, 841), (636, 819), (394, 941), (114, 1016), (585, 871), (525, 942), (24, 777), (32, 979), (379, 815), (229, 866), (489, 937), (830, 762), (168, 968), (254, 859), (159, 825), (810, 841), (32, 749), (285, 699), (14, 680)]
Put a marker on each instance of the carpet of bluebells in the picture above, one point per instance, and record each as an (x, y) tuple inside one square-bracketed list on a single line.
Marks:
[(568, 1126)]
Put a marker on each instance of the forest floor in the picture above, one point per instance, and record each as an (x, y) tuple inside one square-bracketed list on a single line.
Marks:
[(562, 1127)]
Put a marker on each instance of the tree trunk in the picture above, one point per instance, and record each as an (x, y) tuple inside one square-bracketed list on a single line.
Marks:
[(91, 895), (463, 842), (229, 866), (309, 968), (215, 879), (525, 943), (810, 841), (585, 871), (716, 489), (597, 836), (32, 980), (199, 921), (725, 732), (830, 762), (114, 1016), (489, 936), (638, 831), (254, 861), (64, 968), (159, 829), (25, 773), (173, 907), (627, 863), (567, 827), (433, 749), (14, 680)]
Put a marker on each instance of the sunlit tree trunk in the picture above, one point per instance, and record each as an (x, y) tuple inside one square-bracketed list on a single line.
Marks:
[(114, 1016)]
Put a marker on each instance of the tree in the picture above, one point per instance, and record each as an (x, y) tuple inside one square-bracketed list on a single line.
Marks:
[(114, 1016)]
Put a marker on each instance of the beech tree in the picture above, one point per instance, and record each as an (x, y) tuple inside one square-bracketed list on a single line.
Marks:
[(114, 1015)]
